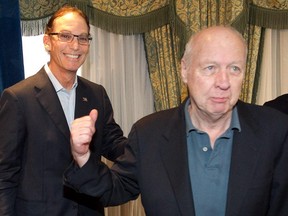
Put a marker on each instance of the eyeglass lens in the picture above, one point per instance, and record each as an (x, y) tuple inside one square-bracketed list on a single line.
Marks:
[(68, 37)]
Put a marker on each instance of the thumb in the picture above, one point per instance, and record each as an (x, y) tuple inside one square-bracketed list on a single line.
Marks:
[(93, 114)]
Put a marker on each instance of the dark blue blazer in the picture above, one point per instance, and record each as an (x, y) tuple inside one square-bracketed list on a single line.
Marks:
[(155, 164), (35, 147), (280, 103)]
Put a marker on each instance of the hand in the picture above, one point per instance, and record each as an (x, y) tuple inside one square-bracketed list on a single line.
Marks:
[(82, 130)]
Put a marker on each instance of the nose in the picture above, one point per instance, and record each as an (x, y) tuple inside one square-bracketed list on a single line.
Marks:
[(74, 43), (222, 79)]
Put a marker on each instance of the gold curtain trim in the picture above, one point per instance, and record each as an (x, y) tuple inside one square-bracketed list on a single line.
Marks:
[(129, 25), (268, 18)]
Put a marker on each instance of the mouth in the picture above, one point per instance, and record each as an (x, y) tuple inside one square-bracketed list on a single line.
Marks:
[(73, 56), (220, 99)]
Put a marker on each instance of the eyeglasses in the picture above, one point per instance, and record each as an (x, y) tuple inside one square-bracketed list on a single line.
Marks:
[(69, 37)]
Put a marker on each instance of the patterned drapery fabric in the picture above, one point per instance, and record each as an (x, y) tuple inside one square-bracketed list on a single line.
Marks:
[(164, 68), (35, 9), (198, 14), (129, 8), (272, 4)]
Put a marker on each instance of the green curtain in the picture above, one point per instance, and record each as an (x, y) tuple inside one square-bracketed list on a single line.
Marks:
[(166, 26), (165, 46), (253, 36), (164, 68)]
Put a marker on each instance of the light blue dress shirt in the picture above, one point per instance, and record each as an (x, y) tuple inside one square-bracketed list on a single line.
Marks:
[(66, 97)]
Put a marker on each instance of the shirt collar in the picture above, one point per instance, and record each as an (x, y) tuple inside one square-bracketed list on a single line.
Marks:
[(57, 85), (235, 123)]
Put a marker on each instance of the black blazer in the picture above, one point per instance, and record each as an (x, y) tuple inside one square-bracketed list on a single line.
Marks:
[(280, 103), (35, 147), (155, 164)]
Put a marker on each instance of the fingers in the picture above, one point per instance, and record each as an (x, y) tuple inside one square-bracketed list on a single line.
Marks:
[(82, 130)]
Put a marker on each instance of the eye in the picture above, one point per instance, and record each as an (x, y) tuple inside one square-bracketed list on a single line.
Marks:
[(210, 67), (83, 39), (65, 36), (208, 70), (235, 69)]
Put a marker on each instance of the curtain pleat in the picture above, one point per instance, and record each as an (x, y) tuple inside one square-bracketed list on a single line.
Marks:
[(164, 68), (253, 36)]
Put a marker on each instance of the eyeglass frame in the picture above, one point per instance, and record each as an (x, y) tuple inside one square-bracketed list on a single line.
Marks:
[(73, 36)]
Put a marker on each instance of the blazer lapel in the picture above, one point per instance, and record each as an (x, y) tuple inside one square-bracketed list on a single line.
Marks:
[(83, 100), (47, 97), (243, 163), (174, 156)]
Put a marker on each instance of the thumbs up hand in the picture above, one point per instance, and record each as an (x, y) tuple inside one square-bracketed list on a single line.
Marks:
[(82, 130)]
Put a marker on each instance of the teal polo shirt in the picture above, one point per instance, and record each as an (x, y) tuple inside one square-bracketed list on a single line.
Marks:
[(209, 168)]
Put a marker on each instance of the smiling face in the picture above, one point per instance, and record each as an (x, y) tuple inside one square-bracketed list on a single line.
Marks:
[(67, 57), (214, 71)]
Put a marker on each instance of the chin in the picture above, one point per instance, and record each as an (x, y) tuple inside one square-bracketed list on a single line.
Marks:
[(73, 67), (72, 70)]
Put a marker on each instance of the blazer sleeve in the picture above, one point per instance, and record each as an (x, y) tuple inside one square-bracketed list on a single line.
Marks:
[(279, 193), (11, 136), (113, 140), (113, 186)]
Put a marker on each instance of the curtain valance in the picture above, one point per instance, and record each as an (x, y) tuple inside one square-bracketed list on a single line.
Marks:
[(117, 16), (135, 24), (269, 14), (133, 17), (269, 17)]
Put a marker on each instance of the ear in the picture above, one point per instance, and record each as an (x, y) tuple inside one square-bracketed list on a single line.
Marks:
[(184, 71), (47, 42)]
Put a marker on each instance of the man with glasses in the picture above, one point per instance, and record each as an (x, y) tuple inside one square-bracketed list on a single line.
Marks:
[(35, 118)]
